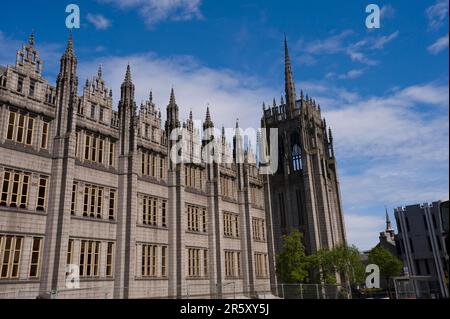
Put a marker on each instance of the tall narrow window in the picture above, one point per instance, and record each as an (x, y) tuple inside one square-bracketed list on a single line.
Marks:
[(20, 84), (102, 114), (11, 126), (73, 205), (112, 205), (87, 147), (110, 260), (42, 194), (35, 257), (164, 261), (100, 151), (44, 137), (20, 128), (5, 188), (296, 158), (30, 131), (111, 154), (164, 213), (24, 191), (32, 88)]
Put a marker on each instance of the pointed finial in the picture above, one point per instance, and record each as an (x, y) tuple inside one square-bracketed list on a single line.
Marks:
[(128, 74), (302, 96), (274, 102), (69, 49), (172, 97), (100, 71), (31, 40), (150, 98), (190, 116), (237, 123), (388, 221), (282, 100), (264, 106), (110, 93), (87, 83)]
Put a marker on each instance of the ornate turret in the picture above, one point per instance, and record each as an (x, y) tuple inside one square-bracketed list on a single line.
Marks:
[(172, 121), (127, 108), (67, 89)]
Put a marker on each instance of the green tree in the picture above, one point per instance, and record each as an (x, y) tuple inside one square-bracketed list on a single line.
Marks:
[(342, 259), (347, 260), (390, 266), (292, 263)]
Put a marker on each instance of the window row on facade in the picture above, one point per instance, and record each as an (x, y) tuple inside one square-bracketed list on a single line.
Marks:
[(28, 130), (13, 250), (197, 219), (228, 187), (154, 211), (153, 165), (95, 149), (19, 190), (93, 258), (259, 229), (231, 225), (93, 201), (194, 177)]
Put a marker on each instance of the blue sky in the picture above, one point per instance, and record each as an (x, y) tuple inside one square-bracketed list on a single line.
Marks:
[(384, 91)]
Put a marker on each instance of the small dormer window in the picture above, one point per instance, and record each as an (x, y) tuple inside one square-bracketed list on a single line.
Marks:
[(20, 84), (32, 88), (102, 114), (93, 111)]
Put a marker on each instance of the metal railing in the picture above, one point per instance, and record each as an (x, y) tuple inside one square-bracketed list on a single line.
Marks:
[(231, 290)]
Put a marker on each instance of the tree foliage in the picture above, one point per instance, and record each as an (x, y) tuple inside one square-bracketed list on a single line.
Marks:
[(294, 266), (292, 263), (390, 266)]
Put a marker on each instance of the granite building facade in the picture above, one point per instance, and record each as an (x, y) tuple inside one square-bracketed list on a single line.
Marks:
[(305, 191), (85, 185)]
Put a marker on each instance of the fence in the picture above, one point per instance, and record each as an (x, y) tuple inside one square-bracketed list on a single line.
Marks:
[(416, 288), (231, 290)]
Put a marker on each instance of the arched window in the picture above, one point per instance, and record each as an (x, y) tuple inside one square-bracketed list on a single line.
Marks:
[(297, 158)]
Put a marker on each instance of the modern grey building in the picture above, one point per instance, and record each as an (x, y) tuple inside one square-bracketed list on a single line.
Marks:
[(421, 244)]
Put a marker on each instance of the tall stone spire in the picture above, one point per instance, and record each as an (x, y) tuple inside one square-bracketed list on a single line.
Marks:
[(388, 222), (127, 89), (172, 121), (289, 81)]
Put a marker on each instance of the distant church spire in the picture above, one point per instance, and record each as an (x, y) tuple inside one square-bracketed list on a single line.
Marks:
[(289, 81), (388, 222)]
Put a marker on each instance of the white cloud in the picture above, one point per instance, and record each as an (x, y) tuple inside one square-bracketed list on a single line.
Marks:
[(380, 42), (350, 75), (99, 21), (437, 14), (363, 230), (229, 93), (387, 11), (156, 11), (440, 45), (341, 43)]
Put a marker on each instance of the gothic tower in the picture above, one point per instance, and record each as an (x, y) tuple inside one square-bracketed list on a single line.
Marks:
[(305, 190)]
